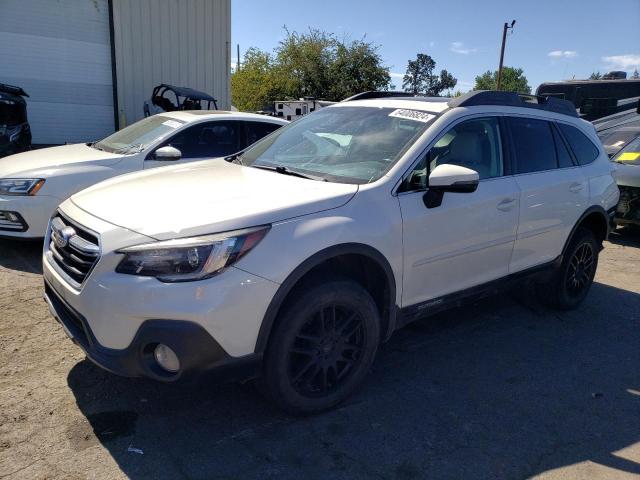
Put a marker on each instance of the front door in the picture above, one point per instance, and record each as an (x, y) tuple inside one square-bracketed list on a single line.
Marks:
[(468, 240), (202, 141)]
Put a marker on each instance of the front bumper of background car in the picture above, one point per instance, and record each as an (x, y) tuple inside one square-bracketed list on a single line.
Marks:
[(33, 212)]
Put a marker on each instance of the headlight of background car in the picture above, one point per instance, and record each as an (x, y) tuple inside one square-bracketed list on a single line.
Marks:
[(191, 258), (20, 186)]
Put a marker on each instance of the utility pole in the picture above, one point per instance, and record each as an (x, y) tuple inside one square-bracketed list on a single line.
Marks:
[(238, 61), (504, 41)]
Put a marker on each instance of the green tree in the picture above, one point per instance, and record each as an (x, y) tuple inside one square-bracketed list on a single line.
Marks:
[(420, 77), (257, 82), (313, 64), (513, 80), (357, 67), (595, 76)]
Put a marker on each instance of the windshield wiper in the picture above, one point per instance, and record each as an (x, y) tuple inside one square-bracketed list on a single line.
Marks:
[(234, 157), (94, 145), (285, 171)]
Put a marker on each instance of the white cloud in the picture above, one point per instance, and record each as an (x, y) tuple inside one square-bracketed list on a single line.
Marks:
[(562, 54), (396, 75), (458, 47), (622, 62)]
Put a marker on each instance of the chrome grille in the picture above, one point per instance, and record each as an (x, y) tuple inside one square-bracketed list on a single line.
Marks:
[(72, 249)]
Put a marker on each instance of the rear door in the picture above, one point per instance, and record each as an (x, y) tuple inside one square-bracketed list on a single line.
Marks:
[(554, 190)]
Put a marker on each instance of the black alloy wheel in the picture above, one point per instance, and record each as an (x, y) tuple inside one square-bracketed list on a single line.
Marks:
[(581, 270), (569, 285), (326, 350), (322, 346)]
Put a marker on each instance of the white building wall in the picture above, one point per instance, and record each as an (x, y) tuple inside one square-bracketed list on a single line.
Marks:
[(59, 53), (179, 42)]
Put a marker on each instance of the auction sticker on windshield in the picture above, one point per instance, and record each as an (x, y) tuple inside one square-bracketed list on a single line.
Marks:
[(412, 115), (172, 124)]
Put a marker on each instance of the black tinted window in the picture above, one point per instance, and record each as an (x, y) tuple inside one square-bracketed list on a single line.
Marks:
[(533, 145), (564, 157), (583, 148), (212, 139), (257, 130)]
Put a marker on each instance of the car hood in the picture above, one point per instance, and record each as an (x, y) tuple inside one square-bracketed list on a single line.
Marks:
[(207, 197), (627, 175), (45, 160)]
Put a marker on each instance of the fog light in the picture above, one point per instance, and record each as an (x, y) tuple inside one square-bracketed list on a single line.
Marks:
[(12, 217), (166, 358)]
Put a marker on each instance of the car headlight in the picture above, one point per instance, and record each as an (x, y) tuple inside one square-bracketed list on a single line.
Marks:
[(192, 258), (20, 186)]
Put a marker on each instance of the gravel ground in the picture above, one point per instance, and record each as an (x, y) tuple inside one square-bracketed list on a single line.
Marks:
[(505, 389)]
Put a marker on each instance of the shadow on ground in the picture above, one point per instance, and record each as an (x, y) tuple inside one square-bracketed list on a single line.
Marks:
[(505, 389), (20, 255), (626, 236)]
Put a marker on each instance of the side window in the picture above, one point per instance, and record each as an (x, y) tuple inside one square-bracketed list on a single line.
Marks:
[(533, 144), (564, 157), (257, 130), (583, 148), (211, 139), (474, 144)]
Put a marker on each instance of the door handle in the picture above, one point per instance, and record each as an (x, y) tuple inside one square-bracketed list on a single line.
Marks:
[(506, 204), (576, 187)]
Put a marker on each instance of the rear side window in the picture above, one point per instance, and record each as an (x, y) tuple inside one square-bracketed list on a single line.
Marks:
[(257, 130), (533, 145), (564, 157), (583, 148)]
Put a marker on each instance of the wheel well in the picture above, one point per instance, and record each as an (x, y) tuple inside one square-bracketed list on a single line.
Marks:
[(597, 223), (357, 267)]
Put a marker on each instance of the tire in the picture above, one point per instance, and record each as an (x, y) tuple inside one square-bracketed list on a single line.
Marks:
[(322, 347), (569, 286)]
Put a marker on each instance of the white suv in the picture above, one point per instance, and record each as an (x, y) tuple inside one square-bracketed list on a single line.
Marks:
[(295, 259)]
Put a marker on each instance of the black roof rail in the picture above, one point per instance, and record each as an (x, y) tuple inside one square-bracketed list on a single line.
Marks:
[(377, 94), (514, 99)]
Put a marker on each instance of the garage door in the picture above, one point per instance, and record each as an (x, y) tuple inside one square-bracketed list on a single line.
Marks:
[(59, 53)]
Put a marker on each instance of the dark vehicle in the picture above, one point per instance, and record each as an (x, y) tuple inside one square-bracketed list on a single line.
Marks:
[(168, 98), (15, 133), (595, 98), (620, 135)]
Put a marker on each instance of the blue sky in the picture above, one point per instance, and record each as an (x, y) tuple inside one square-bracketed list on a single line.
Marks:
[(552, 40)]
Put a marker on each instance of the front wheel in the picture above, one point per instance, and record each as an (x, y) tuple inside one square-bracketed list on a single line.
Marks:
[(323, 345), (571, 283)]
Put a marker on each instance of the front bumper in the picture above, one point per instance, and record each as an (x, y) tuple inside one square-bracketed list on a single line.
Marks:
[(34, 215), (197, 350)]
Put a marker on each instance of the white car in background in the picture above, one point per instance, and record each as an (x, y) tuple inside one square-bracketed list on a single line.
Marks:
[(34, 183)]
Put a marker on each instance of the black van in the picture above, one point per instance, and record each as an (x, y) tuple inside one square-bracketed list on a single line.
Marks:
[(595, 98), (15, 133)]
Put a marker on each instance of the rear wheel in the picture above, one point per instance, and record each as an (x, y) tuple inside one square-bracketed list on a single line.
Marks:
[(571, 283), (323, 346)]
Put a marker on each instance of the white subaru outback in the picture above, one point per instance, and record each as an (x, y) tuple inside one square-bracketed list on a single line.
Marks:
[(293, 260)]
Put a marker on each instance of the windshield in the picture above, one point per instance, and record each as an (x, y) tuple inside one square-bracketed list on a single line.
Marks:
[(629, 154), (136, 137), (341, 144)]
